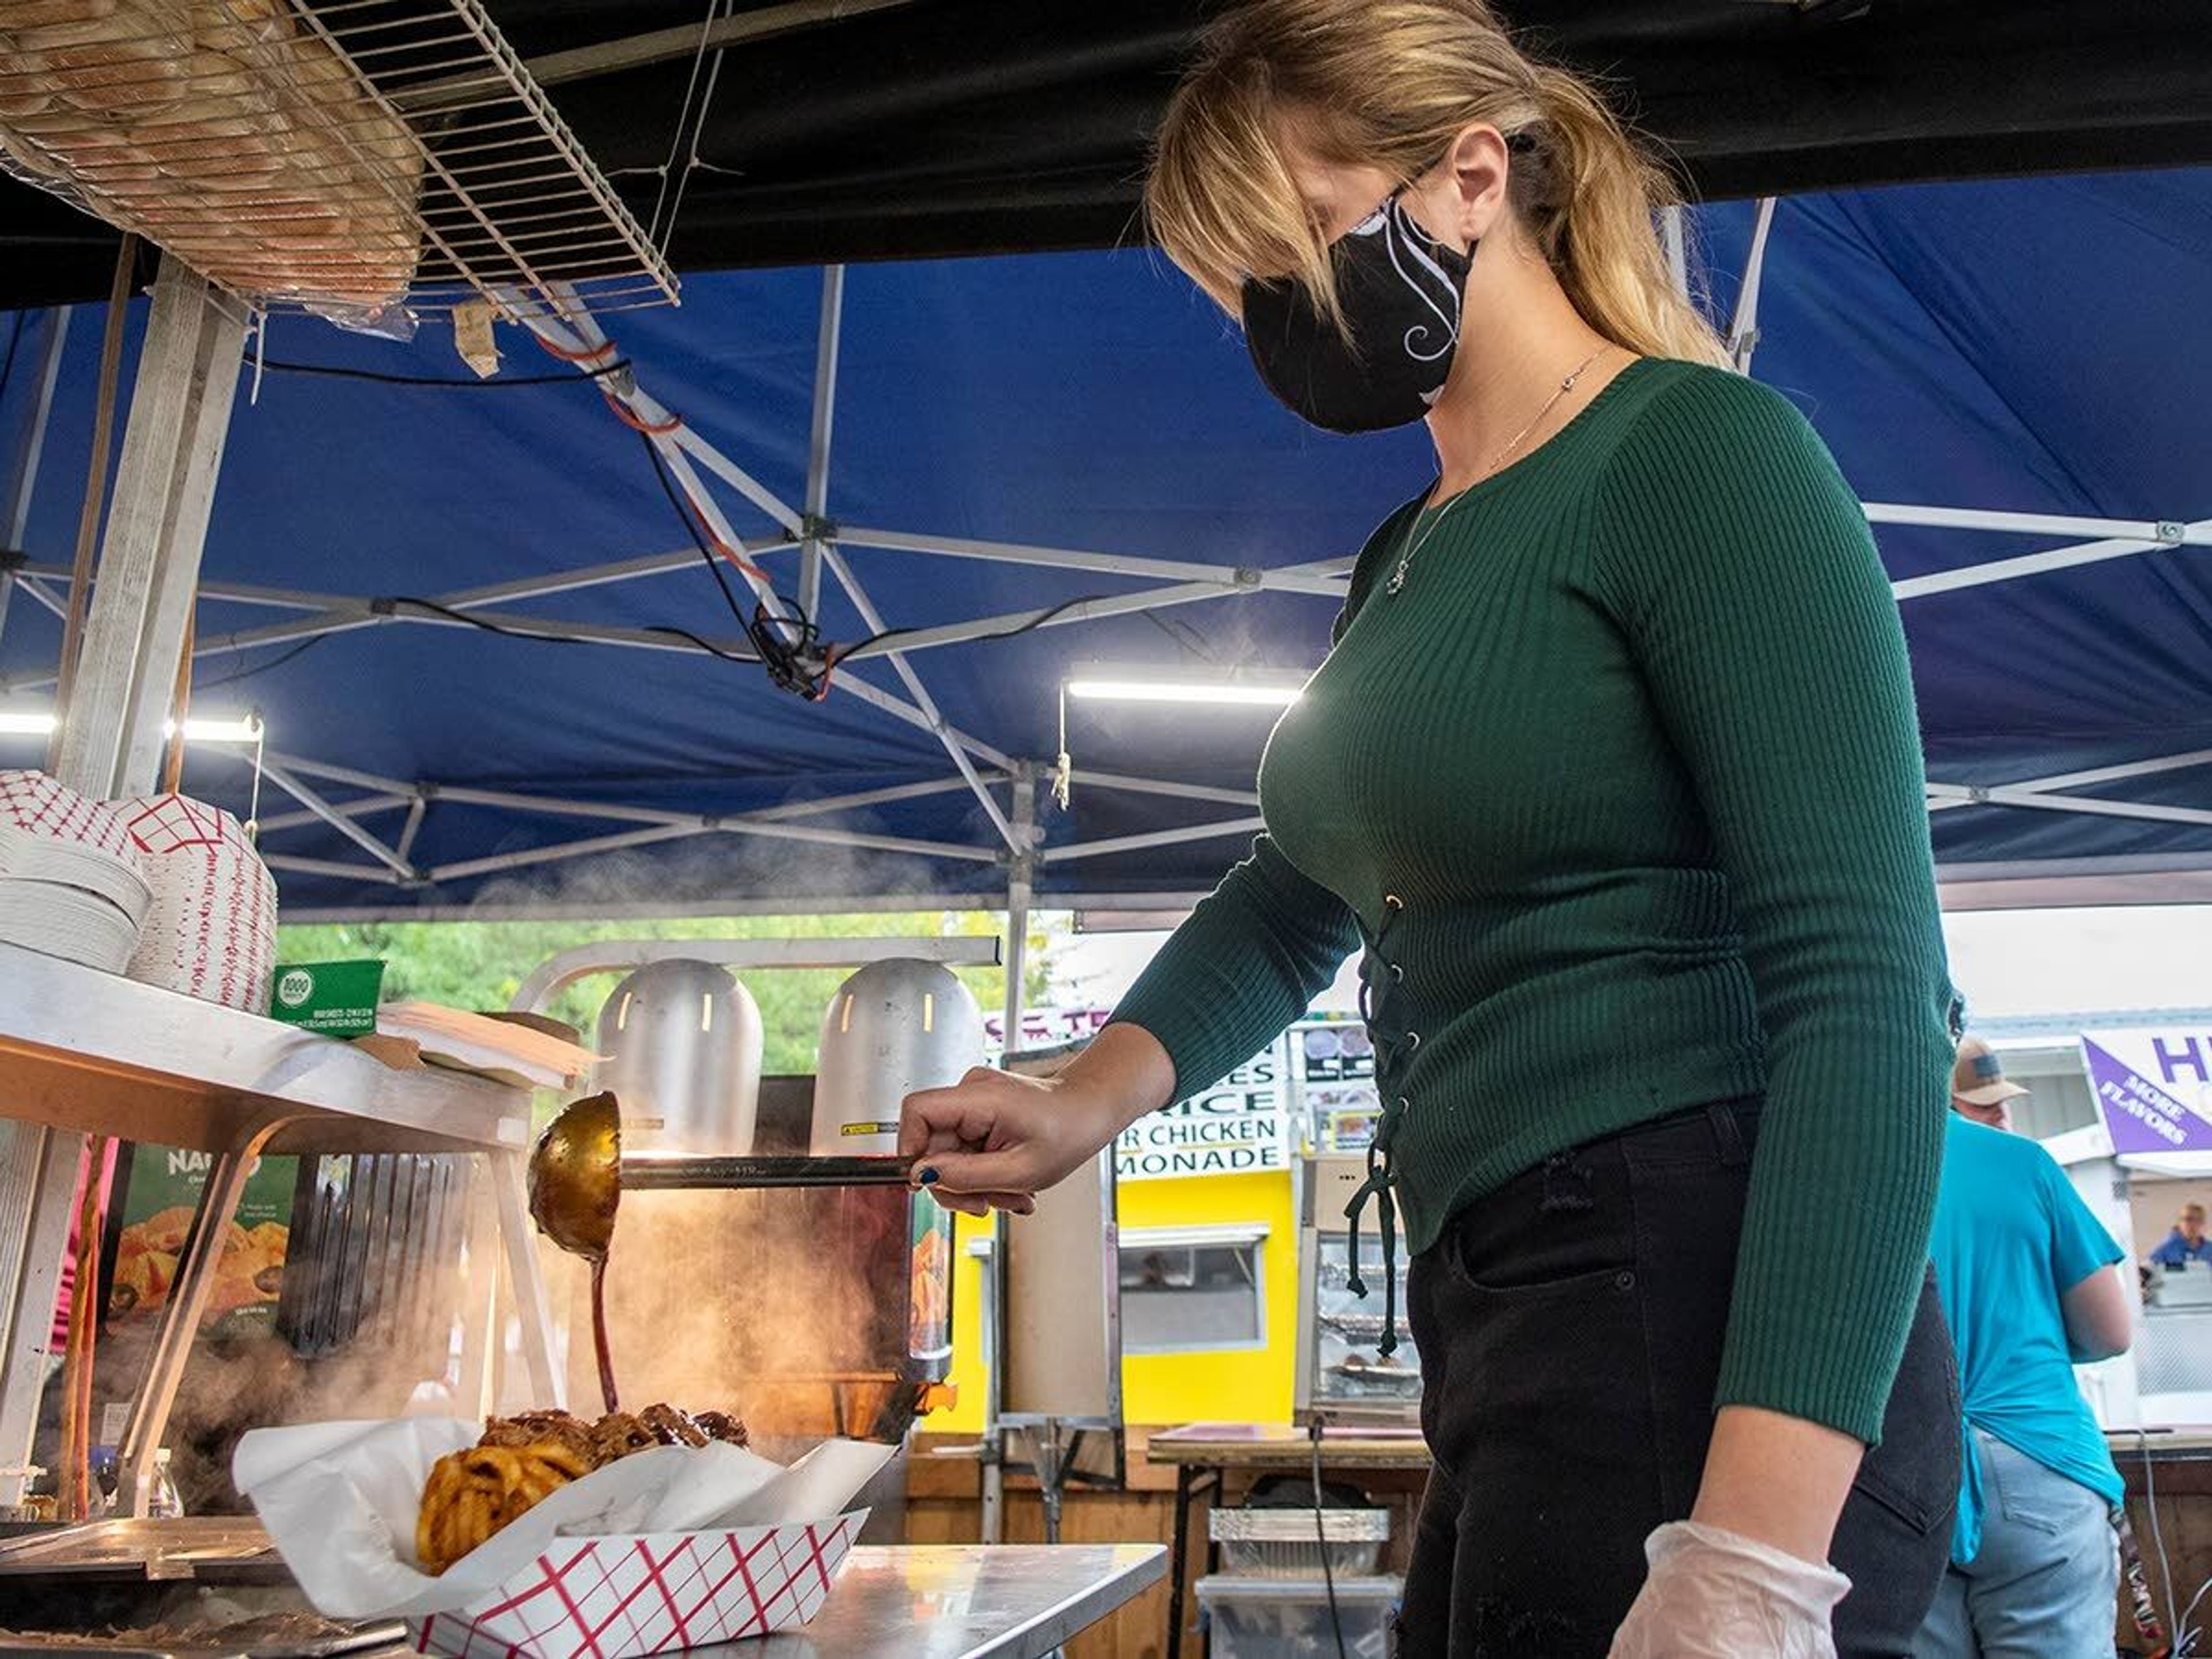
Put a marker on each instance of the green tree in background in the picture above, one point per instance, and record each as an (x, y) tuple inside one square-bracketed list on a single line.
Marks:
[(480, 965)]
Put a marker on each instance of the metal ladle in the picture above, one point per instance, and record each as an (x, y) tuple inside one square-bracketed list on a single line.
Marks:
[(575, 1187)]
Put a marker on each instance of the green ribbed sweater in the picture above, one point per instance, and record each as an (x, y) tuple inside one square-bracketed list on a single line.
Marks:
[(1636, 746)]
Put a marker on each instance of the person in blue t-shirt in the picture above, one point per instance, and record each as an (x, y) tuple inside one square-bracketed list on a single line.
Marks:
[(2025, 1272), (2187, 1242)]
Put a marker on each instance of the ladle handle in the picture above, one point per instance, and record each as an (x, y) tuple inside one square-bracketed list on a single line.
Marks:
[(692, 1173), (599, 1334)]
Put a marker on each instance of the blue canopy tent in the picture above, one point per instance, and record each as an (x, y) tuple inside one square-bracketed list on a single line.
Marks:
[(2010, 371)]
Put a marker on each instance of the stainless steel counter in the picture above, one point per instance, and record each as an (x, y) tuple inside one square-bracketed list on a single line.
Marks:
[(914, 1601), (966, 1602)]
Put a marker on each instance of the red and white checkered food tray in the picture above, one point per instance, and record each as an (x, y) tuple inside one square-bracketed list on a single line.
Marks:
[(71, 882), (674, 1547), (34, 802), (614, 1598), (27, 856), (211, 931)]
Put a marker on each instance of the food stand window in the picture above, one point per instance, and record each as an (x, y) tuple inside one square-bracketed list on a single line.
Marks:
[(1186, 1288)]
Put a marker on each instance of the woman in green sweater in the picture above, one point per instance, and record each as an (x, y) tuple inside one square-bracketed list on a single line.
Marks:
[(1613, 775)]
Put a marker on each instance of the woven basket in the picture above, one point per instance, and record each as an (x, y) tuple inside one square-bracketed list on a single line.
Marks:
[(225, 130)]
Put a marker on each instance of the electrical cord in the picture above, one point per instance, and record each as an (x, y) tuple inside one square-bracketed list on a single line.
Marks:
[(707, 645), (2173, 1630), (2186, 1647), (260, 668), (1321, 1532), (1036, 622), (788, 642), (790, 646), (392, 604), (440, 382)]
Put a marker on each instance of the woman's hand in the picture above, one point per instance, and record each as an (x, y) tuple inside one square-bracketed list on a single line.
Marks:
[(995, 1140), (1717, 1595), (1746, 1575)]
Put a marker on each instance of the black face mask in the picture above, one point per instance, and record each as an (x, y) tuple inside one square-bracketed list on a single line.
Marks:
[(1400, 290)]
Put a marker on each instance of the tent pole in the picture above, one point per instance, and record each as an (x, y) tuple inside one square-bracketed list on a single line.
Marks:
[(405, 845), (564, 806), (1021, 874), (268, 824), (2036, 564), (336, 819), (1163, 787), (1743, 328), (817, 439), (1089, 849), (26, 472), (2181, 763), (1118, 604), (2170, 531), (1678, 257), (25, 477), (340, 613), (2002, 795), (1294, 579), (306, 866), (873, 619), (1021, 880)]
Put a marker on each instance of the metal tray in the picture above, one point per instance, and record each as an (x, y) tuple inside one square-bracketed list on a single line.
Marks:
[(1267, 1543), (196, 1546), (1389, 1382), (1290, 1525)]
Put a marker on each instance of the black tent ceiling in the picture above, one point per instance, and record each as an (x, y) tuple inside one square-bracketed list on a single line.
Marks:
[(850, 130)]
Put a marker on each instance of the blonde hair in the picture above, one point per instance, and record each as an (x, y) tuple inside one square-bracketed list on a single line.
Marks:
[(1392, 84)]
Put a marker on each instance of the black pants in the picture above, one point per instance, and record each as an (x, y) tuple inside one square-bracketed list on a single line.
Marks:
[(1569, 1329)]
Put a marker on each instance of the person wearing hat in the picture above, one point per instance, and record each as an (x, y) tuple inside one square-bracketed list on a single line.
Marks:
[(1979, 1088), (2025, 1275)]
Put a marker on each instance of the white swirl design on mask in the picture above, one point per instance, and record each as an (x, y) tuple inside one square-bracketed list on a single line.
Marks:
[(1405, 240)]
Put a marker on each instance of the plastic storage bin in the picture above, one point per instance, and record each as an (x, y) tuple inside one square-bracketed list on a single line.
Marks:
[(1288, 1618)]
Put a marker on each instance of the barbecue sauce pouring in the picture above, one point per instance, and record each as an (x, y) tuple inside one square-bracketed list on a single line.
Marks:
[(576, 1187)]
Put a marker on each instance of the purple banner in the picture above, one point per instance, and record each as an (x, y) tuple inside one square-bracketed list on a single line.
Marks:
[(2142, 1116)]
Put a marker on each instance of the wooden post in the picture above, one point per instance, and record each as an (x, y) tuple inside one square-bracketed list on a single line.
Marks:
[(110, 740)]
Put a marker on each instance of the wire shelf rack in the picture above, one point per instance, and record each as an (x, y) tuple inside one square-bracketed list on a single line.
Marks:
[(347, 157)]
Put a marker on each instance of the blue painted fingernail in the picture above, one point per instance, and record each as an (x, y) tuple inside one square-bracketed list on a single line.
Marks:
[(928, 1176)]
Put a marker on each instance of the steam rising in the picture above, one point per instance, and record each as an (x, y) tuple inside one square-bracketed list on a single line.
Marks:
[(787, 1308), (700, 872)]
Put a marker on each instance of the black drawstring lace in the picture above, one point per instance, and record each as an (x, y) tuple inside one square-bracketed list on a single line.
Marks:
[(1381, 982)]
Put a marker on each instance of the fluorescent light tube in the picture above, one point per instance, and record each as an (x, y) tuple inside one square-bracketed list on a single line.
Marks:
[(40, 723), (1277, 695)]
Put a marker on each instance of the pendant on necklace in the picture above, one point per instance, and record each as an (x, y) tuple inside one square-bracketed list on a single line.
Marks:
[(1397, 579)]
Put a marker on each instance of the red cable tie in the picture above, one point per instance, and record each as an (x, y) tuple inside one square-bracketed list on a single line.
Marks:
[(735, 557), (605, 348), (647, 427)]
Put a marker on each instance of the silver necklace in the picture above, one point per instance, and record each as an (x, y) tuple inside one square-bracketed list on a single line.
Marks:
[(1416, 543)]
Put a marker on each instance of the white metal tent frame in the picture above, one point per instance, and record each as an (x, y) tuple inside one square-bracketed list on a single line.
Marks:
[(995, 779), (137, 627)]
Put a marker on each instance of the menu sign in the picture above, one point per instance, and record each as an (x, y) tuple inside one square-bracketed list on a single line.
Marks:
[(1241, 1126), (1236, 1128)]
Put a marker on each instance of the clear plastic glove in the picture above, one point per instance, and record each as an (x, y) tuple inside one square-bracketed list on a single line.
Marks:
[(1714, 1595)]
